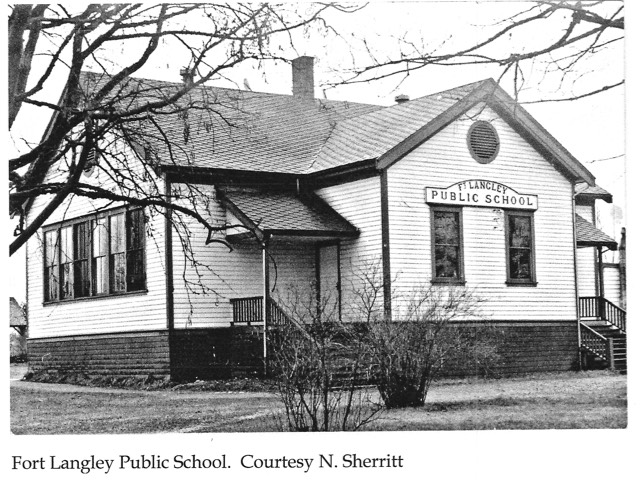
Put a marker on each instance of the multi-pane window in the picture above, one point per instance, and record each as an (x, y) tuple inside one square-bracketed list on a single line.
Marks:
[(520, 247), (104, 255), (447, 245)]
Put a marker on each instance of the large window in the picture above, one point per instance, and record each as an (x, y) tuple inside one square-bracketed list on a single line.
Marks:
[(520, 247), (98, 256), (447, 245)]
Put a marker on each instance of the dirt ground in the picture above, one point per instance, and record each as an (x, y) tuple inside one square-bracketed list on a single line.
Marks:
[(596, 399)]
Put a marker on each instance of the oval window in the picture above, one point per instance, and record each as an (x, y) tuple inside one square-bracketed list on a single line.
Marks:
[(483, 142)]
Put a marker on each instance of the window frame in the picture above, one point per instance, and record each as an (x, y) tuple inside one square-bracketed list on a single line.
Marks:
[(532, 281), (90, 222), (460, 280)]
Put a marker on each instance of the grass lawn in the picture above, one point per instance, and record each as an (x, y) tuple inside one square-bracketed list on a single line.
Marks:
[(595, 399)]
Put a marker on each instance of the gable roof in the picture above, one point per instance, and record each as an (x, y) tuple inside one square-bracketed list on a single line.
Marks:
[(252, 131), (371, 135), (588, 235)]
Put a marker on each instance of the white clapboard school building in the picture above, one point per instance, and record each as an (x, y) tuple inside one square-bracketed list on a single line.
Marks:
[(462, 187)]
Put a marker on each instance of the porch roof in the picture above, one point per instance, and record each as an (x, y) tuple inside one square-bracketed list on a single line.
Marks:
[(588, 235), (585, 192), (286, 214)]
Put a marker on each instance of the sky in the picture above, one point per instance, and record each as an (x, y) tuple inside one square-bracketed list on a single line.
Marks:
[(592, 129)]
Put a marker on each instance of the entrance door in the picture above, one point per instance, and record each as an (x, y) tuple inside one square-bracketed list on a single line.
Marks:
[(328, 280)]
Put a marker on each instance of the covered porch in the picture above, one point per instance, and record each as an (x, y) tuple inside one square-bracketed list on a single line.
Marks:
[(299, 237)]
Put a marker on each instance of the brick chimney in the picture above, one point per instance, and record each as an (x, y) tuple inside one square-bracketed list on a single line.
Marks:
[(187, 76), (303, 77)]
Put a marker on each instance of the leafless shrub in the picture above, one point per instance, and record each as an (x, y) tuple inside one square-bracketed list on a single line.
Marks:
[(319, 365), (410, 352)]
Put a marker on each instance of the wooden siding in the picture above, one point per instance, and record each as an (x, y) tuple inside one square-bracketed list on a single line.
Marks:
[(210, 275), (612, 283), (131, 312), (205, 277), (122, 354), (586, 268), (444, 160), (359, 202)]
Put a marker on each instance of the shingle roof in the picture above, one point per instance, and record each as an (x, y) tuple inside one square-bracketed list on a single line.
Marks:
[(588, 235), (280, 212), (251, 131), (370, 135), (584, 190), (239, 130)]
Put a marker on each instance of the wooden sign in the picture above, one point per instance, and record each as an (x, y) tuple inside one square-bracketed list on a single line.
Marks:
[(479, 192)]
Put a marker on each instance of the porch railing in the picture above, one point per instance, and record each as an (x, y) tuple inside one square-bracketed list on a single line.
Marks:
[(250, 309), (601, 308), (247, 310)]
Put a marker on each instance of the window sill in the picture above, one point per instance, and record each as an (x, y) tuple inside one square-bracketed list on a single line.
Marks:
[(449, 281), (521, 283), (95, 297)]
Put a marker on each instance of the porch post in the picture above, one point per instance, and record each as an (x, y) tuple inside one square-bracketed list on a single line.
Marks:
[(601, 285), (266, 311)]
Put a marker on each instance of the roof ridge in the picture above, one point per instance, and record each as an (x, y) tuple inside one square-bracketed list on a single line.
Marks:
[(206, 86)]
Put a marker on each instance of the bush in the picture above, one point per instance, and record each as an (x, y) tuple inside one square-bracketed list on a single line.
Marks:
[(408, 355), (318, 365)]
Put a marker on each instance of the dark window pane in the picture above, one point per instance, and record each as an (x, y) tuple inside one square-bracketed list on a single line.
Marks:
[(520, 247), (447, 236), (135, 275), (81, 281), (446, 259), (520, 263), (446, 228), (81, 259), (520, 231), (136, 229), (135, 250)]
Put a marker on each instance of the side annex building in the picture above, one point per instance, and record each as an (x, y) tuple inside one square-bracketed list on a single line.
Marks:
[(459, 188)]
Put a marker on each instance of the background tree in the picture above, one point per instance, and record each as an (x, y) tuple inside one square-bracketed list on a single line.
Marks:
[(560, 40), (119, 40)]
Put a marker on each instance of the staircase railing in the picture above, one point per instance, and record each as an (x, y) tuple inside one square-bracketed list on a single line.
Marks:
[(594, 342), (602, 308)]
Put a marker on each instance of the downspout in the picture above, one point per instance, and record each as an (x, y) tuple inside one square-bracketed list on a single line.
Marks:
[(169, 267), (576, 277), (387, 277), (266, 298)]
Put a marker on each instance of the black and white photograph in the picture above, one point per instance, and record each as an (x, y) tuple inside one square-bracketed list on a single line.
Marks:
[(319, 240)]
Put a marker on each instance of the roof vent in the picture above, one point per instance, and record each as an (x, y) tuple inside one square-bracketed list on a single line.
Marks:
[(483, 142), (401, 98)]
